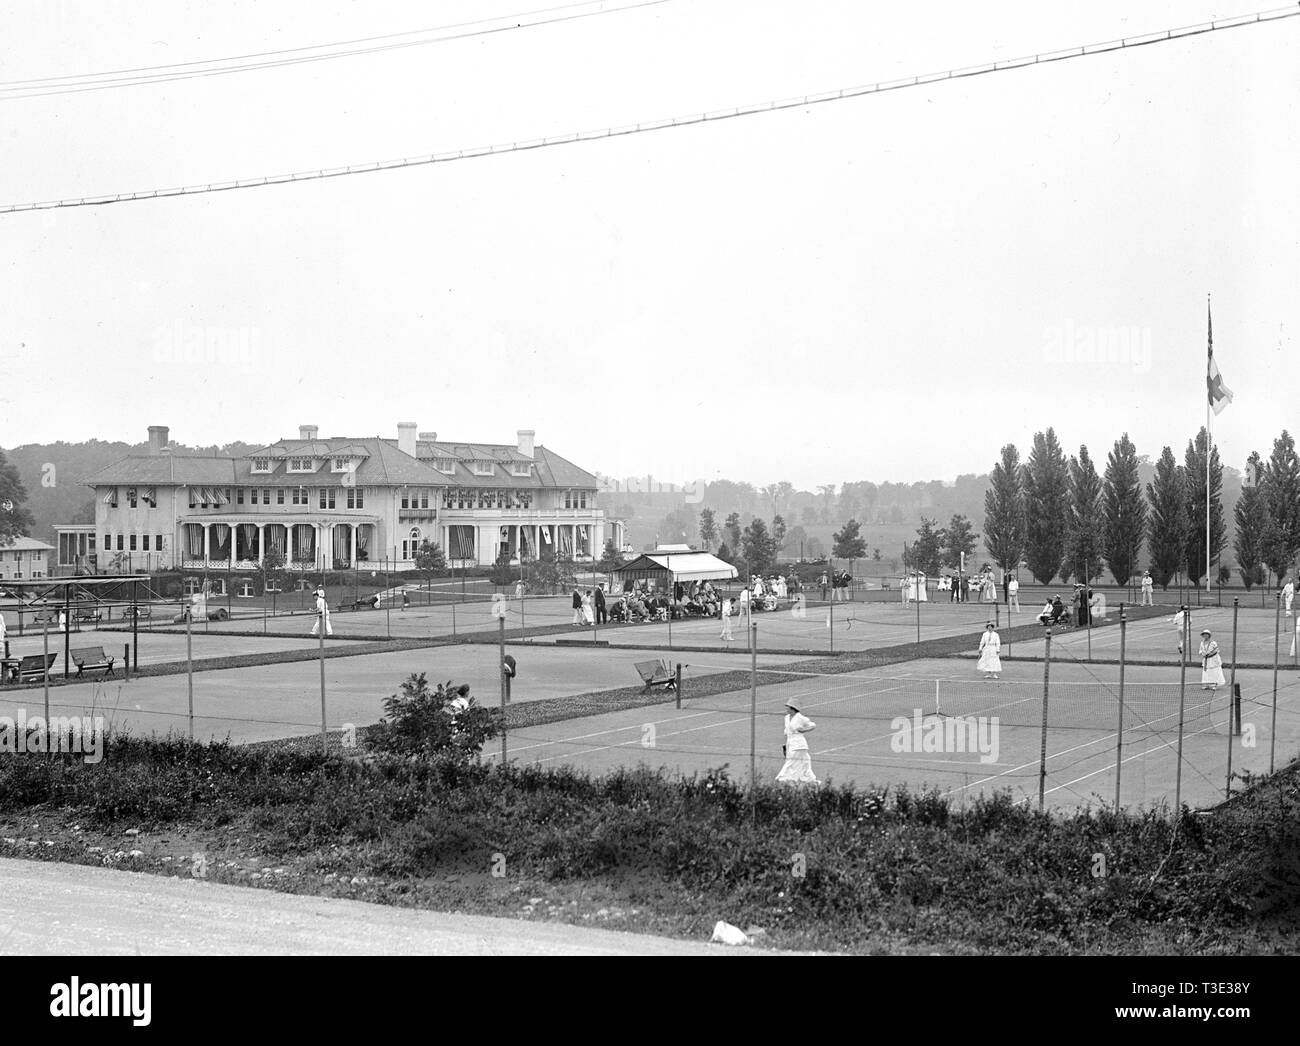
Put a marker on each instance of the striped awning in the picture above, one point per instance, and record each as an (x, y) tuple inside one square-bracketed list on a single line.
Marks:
[(110, 497)]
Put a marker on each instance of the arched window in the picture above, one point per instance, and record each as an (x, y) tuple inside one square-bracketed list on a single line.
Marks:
[(411, 544)]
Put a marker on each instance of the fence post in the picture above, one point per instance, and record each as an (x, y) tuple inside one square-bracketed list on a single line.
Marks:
[(1277, 638), (753, 706), (1119, 729), (1182, 699), (501, 660), (321, 619), (189, 669), (677, 684), (1234, 723), (1042, 751)]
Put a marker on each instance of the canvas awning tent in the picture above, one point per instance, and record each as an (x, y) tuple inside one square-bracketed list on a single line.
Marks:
[(669, 567)]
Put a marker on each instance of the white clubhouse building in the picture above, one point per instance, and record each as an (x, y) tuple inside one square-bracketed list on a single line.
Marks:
[(338, 503)]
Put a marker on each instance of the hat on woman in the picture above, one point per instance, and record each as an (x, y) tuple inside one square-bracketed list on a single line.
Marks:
[(1206, 632), (790, 704)]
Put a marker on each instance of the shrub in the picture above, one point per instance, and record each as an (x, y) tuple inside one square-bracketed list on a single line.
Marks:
[(423, 722)]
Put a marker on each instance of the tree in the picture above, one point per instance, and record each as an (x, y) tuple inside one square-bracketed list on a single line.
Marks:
[(759, 547), (1085, 517), (1168, 498), (958, 539), (503, 570), (724, 554), (1282, 491), (1194, 472), (1123, 511), (731, 530), (708, 529), (779, 532), (430, 561), (1004, 511), (271, 573), (1250, 515), (926, 553), (848, 543), (611, 558), (815, 550), (875, 555), (15, 520), (1047, 504), (795, 539)]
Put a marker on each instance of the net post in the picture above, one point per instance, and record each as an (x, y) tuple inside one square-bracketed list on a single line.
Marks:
[(126, 661), (321, 620), (1119, 729), (677, 684), (1042, 752), (1182, 700), (1277, 638), (1234, 700), (189, 668)]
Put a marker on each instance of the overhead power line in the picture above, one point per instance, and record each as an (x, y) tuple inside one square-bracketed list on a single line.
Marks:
[(922, 80), (13, 90)]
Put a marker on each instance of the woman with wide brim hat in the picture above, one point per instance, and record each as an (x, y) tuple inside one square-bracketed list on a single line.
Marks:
[(1211, 662), (798, 763)]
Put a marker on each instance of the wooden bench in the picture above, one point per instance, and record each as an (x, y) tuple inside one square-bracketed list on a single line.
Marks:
[(93, 614), (34, 666), (92, 657), (655, 673)]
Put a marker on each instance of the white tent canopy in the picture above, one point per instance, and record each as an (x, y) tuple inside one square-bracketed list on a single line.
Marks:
[(677, 566)]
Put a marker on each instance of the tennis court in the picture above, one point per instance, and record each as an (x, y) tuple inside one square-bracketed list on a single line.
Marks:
[(876, 727)]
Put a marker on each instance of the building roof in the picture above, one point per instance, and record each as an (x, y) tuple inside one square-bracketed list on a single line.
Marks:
[(22, 543), (681, 566), (380, 463)]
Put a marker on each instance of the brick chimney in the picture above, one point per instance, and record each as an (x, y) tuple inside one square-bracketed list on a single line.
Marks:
[(307, 431), (157, 440), (526, 442), (406, 437)]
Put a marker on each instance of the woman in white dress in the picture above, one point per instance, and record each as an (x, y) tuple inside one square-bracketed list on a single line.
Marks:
[(990, 647), (588, 608), (1211, 662), (798, 763)]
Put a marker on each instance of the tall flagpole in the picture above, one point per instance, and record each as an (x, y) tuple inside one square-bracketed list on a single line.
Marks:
[(1209, 442)]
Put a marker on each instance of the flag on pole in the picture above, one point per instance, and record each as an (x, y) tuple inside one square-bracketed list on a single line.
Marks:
[(1219, 393)]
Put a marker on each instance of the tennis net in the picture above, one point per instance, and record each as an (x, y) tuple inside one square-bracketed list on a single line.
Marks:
[(1080, 705)]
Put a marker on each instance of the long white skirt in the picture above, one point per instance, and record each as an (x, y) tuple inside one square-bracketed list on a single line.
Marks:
[(587, 615), (989, 661), (1213, 675), (798, 768)]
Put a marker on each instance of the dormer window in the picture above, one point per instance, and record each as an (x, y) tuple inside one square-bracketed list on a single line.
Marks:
[(342, 464), (130, 497), (261, 464), (484, 468), (445, 465), (301, 465), (521, 468)]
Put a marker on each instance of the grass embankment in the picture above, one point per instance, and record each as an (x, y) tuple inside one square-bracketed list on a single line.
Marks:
[(878, 871)]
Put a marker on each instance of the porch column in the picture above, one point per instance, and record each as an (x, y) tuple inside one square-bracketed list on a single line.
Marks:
[(354, 546), (261, 543), (207, 544), (234, 546)]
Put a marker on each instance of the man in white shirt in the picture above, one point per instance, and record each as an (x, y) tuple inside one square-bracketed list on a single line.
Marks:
[(726, 621), (1013, 593), (1148, 589), (1288, 594), (322, 614)]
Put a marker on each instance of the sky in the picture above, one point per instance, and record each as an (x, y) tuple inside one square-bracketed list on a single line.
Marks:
[(888, 287)]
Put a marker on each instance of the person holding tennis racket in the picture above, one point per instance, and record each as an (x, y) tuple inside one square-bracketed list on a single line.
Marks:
[(798, 763)]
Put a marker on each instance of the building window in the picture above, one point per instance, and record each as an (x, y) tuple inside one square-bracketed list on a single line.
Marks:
[(484, 468), (132, 548), (239, 495), (130, 497), (261, 464), (300, 465), (356, 497), (252, 496), (521, 468), (300, 495), (326, 497), (108, 543), (158, 546), (266, 496), (342, 464), (412, 543), (119, 542), (447, 466), (279, 496), (146, 543)]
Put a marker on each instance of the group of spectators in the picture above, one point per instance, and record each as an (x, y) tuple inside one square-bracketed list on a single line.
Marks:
[(836, 584), (1083, 607)]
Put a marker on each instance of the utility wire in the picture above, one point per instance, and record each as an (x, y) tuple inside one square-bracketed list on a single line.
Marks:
[(1084, 51), (12, 90)]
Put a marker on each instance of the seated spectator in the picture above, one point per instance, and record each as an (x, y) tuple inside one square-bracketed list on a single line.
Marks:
[(1045, 618)]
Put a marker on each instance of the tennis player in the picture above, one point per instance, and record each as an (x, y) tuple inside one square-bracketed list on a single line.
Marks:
[(990, 646), (1178, 621), (1211, 662), (798, 763)]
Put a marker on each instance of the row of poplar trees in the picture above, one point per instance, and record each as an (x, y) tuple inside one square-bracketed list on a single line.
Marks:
[(1060, 518)]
